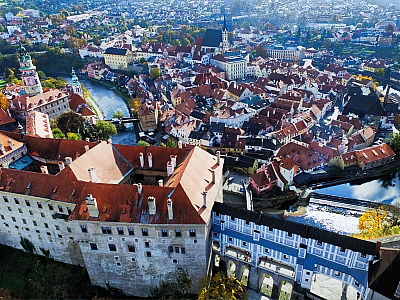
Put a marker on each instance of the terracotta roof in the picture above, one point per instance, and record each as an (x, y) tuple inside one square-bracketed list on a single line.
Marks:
[(5, 118)]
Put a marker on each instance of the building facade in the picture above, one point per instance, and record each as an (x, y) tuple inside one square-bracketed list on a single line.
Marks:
[(30, 77), (117, 58)]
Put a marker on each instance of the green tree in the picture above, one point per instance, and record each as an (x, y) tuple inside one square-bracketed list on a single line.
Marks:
[(58, 134), (74, 136), (118, 114), (261, 51), (71, 122), (395, 142), (155, 73), (177, 289), (221, 287), (104, 130), (143, 143), (172, 143), (327, 43), (142, 60)]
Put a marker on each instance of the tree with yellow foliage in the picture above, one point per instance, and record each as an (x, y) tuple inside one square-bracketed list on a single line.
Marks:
[(135, 103), (3, 101), (221, 287), (372, 223)]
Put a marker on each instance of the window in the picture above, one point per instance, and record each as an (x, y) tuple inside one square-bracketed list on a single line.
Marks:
[(133, 259), (48, 233), (60, 209), (20, 211), (164, 232), (13, 218), (290, 234), (319, 243), (106, 229), (118, 264), (69, 210), (131, 248), (315, 266), (178, 233), (46, 225), (363, 255), (60, 236), (42, 214), (175, 261), (120, 230), (93, 246), (230, 239), (337, 273), (50, 207), (147, 244), (5, 198), (27, 203), (270, 228), (131, 231), (247, 222), (342, 249), (34, 223), (176, 249), (148, 254), (84, 228), (31, 212), (232, 218), (192, 233), (112, 247), (39, 205), (357, 284), (24, 221), (183, 250), (244, 244), (2, 216), (145, 232), (57, 227), (266, 250), (69, 229), (16, 200), (9, 208)]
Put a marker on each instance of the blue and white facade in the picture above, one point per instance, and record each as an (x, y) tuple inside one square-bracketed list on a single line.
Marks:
[(292, 252)]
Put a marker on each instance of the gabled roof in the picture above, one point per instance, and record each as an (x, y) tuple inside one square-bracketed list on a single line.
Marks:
[(115, 51), (212, 38)]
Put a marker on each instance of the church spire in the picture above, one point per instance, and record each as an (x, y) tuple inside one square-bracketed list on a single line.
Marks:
[(30, 78), (76, 85), (224, 28)]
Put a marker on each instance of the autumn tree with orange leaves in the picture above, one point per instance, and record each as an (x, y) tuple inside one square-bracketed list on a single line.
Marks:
[(3, 101)]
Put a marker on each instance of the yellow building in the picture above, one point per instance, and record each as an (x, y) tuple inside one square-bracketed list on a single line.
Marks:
[(117, 58)]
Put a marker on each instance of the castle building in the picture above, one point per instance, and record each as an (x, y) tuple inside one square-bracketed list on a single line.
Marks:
[(117, 58), (30, 77), (131, 215)]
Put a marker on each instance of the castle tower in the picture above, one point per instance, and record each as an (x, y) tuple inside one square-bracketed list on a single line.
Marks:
[(225, 41), (30, 78), (76, 85)]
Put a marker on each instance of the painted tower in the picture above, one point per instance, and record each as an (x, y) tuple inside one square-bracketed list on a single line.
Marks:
[(76, 85), (225, 41), (30, 77)]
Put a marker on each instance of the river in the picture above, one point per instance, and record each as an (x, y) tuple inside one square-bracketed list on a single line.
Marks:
[(383, 190), (109, 103)]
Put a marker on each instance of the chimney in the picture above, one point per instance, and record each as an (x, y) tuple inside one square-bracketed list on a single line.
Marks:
[(212, 175), (86, 148), (173, 160), (11, 144), (170, 211), (68, 160), (152, 205), (377, 247), (141, 158), (44, 170), (205, 199), (150, 158), (61, 165), (170, 168), (91, 205), (92, 174), (179, 144), (161, 182), (218, 157), (3, 150), (139, 188)]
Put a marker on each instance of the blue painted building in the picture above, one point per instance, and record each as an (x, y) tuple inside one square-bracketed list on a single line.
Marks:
[(255, 246)]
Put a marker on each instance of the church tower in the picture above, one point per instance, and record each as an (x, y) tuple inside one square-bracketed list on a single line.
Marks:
[(225, 41), (76, 85), (30, 77)]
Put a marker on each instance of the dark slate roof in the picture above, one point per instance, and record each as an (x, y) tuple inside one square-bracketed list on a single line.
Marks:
[(115, 51), (303, 230), (363, 105), (217, 127), (212, 38), (384, 274), (197, 115), (241, 161), (251, 128)]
